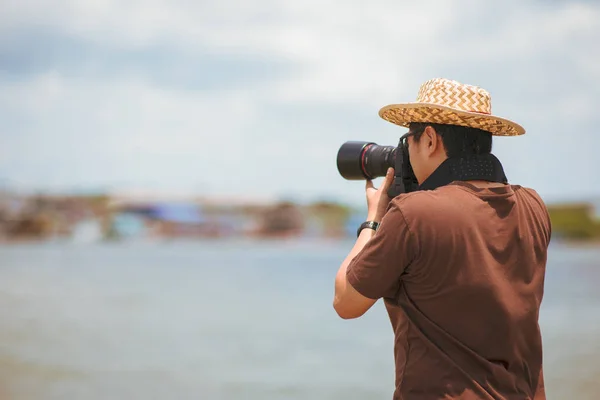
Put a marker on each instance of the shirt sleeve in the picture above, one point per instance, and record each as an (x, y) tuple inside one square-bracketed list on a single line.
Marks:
[(376, 270)]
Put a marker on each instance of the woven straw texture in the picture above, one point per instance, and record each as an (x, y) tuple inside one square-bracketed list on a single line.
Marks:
[(443, 101)]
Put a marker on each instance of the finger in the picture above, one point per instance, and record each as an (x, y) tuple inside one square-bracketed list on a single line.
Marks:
[(389, 178), (369, 184)]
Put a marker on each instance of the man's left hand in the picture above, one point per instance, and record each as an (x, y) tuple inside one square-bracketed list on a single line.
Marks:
[(378, 199)]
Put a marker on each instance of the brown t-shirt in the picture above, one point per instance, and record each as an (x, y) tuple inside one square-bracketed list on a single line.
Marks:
[(461, 270)]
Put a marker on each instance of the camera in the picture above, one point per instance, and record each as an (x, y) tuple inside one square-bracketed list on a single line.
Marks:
[(358, 160)]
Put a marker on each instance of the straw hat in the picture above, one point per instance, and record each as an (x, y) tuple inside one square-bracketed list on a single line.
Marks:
[(444, 101)]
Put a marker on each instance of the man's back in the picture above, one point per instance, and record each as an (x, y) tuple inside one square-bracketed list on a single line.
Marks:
[(465, 309)]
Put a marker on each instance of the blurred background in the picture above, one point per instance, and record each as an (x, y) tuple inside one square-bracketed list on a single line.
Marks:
[(171, 215)]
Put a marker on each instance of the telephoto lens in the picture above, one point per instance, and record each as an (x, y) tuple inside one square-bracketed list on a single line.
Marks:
[(365, 160)]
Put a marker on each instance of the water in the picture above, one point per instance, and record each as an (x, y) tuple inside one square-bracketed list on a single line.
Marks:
[(233, 320)]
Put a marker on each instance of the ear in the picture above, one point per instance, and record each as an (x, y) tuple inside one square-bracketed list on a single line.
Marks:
[(431, 142)]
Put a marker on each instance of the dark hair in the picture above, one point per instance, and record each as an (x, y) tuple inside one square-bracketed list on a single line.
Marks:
[(458, 140)]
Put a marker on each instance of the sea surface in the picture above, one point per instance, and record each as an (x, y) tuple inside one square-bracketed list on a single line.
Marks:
[(225, 320)]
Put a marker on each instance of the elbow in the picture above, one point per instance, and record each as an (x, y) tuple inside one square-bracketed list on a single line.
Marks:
[(344, 312), (347, 316)]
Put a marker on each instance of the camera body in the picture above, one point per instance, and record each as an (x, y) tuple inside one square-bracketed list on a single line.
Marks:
[(358, 160)]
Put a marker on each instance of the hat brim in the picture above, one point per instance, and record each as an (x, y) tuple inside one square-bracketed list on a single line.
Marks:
[(404, 114)]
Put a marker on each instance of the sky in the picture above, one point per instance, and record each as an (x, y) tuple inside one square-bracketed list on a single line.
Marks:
[(253, 99)]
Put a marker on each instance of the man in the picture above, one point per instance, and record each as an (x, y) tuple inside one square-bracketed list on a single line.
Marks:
[(460, 262)]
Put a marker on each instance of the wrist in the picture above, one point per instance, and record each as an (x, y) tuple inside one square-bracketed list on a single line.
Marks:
[(371, 225), (374, 217)]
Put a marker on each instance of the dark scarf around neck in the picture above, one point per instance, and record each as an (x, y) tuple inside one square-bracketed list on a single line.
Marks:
[(481, 167)]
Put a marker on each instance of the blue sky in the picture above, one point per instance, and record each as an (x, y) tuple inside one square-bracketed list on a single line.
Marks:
[(254, 98)]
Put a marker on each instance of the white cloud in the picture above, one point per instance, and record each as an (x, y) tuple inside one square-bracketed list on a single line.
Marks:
[(348, 51), (121, 128), (348, 57)]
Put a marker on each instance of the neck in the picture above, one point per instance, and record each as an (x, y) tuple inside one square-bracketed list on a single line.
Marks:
[(436, 165)]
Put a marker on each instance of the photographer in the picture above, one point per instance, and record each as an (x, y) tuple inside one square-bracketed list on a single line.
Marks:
[(459, 262)]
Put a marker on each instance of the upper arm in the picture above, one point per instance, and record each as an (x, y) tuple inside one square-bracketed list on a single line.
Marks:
[(376, 270), (352, 304)]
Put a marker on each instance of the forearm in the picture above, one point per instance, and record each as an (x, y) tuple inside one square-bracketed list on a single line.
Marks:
[(347, 301), (340, 279)]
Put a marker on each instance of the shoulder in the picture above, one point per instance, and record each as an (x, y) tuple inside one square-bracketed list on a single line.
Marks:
[(531, 194), (534, 201), (409, 201), (423, 203), (538, 207)]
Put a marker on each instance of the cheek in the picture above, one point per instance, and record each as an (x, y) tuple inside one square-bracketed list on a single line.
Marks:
[(413, 156)]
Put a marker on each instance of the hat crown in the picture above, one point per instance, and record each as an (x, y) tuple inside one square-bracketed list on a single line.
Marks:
[(456, 95)]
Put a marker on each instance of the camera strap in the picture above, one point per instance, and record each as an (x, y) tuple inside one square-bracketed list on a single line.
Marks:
[(481, 167)]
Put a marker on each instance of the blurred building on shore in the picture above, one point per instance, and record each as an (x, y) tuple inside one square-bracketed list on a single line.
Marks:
[(136, 215)]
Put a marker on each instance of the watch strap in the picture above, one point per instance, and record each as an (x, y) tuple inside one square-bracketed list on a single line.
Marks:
[(367, 224)]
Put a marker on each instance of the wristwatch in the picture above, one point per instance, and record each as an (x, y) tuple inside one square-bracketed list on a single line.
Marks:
[(367, 224)]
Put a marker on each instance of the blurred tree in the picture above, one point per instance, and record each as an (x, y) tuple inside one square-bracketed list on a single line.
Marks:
[(574, 221)]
